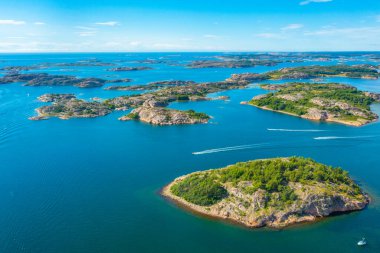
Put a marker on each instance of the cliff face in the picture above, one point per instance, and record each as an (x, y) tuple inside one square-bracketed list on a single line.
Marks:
[(272, 192), (255, 210)]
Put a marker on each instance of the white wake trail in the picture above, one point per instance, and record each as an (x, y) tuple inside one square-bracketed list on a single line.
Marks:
[(295, 130), (232, 148), (340, 137)]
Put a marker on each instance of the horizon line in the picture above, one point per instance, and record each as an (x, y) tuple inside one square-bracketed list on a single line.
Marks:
[(226, 51)]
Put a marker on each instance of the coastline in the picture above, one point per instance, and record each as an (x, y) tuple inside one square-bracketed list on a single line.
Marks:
[(199, 210), (304, 212), (202, 211), (349, 123)]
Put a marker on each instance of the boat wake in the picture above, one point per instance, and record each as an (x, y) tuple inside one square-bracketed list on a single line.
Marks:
[(232, 148), (295, 130), (341, 137)]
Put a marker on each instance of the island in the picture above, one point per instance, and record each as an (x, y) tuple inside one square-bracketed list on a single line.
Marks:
[(275, 192), (152, 103), (44, 79), (66, 106), (152, 85), (84, 63), (120, 69), (165, 116), (364, 71), (319, 101), (162, 93), (246, 63)]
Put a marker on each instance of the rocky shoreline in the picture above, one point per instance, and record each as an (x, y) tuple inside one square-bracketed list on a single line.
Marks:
[(318, 119), (251, 209), (319, 102), (163, 116)]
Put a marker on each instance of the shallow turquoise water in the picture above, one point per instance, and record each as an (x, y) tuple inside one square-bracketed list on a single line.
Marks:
[(91, 185)]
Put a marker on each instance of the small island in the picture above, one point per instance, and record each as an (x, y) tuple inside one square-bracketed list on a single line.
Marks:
[(152, 85), (246, 63), (121, 69), (274, 192), (322, 102), (164, 116), (66, 106)]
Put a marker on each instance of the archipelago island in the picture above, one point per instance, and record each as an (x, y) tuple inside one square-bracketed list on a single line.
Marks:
[(323, 102), (331, 102), (274, 192)]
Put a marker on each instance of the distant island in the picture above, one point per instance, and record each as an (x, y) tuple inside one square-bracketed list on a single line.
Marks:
[(44, 79), (120, 69), (364, 71), (353, 109), (322, 102), (271, 192), (152, 85), (246, 63)]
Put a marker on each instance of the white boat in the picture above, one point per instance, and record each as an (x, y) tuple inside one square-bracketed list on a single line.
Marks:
[(362, 242)]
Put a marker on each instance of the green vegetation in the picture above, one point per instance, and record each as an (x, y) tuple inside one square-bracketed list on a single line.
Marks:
[(275, 177), (197, 115), (357, 71), (134, 116), (279, 104), (182, 97), (201, 190), (341, 102)]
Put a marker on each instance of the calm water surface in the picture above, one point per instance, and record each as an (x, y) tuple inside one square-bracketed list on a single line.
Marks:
[(91, 185)]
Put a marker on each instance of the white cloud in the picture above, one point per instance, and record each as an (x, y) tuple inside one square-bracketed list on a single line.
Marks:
[(11, 22), (269, 36), (352, 32), (314, 1), (16, 37), (135, 43), (108, 23), (292, 27), (85, 28), (39, 23), (210, 36), (86, 33)]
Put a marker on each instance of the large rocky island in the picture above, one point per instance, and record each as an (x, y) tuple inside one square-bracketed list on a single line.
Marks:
[(272, 192), (322, 102)]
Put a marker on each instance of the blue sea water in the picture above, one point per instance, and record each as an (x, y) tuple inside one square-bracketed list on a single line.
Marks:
[(92, 185)]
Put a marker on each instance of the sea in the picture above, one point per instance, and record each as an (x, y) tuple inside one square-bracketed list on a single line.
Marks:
[(93, 185)]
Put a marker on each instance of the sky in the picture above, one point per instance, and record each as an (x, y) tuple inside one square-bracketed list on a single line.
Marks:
[(189, 25)]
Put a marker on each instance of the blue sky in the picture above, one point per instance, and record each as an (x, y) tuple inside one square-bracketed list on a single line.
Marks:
[(193, 25)]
